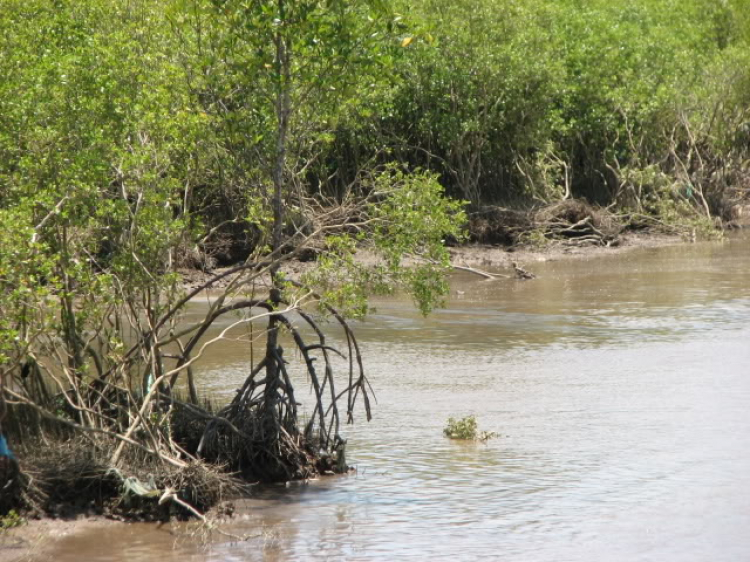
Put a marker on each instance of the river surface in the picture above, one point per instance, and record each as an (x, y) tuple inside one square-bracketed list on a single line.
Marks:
[(620, 389)]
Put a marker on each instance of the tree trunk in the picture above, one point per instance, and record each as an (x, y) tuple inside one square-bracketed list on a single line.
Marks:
[(283, 109)]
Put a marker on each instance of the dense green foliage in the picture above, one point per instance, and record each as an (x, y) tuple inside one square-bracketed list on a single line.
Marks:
[(93, 153), (128, 129), (139, 135), (515, 100), (171, 105)]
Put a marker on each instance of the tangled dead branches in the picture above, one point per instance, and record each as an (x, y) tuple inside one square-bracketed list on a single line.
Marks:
[(63, 477), (571, 222), (575, 222), (259, 434)]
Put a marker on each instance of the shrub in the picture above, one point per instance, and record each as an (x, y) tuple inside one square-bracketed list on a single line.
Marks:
[(466, 429)]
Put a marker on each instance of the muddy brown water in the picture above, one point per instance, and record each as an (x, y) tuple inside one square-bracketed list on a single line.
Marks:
[(620, 387)]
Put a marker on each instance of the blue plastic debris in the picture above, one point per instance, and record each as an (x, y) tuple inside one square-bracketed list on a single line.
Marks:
[(4, 449)]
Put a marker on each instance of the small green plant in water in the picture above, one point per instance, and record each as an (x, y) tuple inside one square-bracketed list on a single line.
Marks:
[(466, 429)]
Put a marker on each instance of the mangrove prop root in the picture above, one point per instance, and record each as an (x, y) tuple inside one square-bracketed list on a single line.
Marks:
[(126, 406), (259, 434)]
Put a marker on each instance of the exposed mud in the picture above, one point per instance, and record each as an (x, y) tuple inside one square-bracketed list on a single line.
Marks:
[(482, 256), (33, 538), (499, 257)]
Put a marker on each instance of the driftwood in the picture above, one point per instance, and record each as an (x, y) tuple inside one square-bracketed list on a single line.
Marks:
[(521, 273)]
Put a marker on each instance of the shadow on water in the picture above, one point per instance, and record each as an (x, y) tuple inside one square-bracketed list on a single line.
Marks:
[(619, 387)]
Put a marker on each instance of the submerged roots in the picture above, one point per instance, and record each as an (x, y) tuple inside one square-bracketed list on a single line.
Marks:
[(242, 440)]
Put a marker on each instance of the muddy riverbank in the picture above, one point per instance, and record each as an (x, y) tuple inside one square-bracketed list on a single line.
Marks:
[(34, 538), (490, 257)]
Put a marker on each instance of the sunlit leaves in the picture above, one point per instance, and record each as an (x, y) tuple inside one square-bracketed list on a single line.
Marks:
[(97, 139), (504, 81), (409, 222)]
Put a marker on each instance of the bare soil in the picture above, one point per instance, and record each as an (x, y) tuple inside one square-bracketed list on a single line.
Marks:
[(481, 256), (32, 539), (499, 257)]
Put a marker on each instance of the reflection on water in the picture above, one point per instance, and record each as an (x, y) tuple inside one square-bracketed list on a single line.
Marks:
[(620, 388)]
